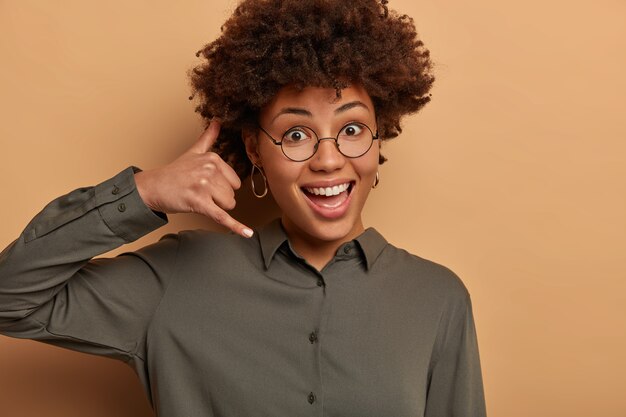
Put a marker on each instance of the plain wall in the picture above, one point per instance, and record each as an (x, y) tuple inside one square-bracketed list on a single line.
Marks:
[(514, 176)]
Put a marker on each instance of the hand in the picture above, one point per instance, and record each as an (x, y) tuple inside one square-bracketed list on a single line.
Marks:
[(198, 181)]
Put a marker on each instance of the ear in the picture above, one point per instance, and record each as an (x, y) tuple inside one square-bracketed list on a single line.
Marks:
[(250, 139)]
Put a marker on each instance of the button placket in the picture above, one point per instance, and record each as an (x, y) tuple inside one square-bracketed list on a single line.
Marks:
[(314, 340)]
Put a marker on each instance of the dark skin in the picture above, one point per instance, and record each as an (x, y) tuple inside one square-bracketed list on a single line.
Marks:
[(330, 43), (199, 181)]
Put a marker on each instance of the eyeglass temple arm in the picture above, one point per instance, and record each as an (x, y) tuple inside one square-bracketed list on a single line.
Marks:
[(274, 141)]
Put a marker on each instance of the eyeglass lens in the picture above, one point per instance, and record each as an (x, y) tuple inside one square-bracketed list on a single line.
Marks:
[(353, 140)]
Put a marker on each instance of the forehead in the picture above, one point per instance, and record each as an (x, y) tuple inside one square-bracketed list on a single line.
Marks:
[(317, 100)]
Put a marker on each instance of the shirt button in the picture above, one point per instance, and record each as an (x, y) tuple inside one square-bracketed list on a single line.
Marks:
[(121, 207), (116, 190), (320, 283), (313, 337), (311, 398), (346, 249)]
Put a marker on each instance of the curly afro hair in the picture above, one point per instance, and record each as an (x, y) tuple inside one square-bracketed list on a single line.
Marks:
[(268, 44)]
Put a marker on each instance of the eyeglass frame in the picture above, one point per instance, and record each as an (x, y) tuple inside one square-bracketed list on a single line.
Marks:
[(336, 139)]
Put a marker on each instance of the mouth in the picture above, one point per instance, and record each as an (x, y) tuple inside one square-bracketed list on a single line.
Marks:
[(329, 201)]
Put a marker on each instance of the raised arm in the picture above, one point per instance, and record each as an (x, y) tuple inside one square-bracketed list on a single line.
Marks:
[(52, 290), (49, 286)]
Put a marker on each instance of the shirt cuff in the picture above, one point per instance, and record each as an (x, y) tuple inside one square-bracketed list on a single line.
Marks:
[(122, 208)]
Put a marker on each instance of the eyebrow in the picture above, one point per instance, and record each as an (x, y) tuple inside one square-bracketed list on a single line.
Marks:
[(304, 112), (351, 105), (293, 110)]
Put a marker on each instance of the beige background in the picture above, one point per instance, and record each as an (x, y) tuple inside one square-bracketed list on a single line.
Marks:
[(514, 177)]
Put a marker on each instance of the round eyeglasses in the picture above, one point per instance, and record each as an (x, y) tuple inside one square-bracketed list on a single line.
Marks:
[(300, 143)]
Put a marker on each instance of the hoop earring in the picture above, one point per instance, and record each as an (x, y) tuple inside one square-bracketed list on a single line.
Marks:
[(252, 182), (376, 181)]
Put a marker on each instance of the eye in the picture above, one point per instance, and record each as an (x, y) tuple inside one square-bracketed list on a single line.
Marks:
[(298, 134), (353, 129)]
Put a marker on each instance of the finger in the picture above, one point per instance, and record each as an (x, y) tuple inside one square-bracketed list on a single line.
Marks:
[(225, 219), (207, 138), (229, 173), (224, 196), (217, 173)]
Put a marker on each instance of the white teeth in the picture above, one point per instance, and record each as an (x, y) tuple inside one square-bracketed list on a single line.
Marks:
[(329, 191)]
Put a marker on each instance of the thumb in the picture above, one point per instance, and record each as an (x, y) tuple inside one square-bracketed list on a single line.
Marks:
[(207, 138)]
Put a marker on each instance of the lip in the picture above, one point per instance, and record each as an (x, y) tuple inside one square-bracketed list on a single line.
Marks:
[(327, 183), (328, 212)]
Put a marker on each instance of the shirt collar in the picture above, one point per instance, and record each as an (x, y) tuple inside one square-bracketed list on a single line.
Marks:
[(372, 244), (272, 236)]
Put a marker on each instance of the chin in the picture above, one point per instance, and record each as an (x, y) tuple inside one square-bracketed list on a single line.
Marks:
[(335, 230)]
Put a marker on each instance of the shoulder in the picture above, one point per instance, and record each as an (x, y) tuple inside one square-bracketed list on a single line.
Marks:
[(215, 246), (425, 275), (208, 240)]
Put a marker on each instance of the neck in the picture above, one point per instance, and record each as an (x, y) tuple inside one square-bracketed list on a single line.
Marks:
[(317, 252)]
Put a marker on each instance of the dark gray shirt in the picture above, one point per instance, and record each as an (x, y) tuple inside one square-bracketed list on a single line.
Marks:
[(220, 325)]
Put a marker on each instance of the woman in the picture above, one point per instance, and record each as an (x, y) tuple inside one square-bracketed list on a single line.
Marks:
[(311, 314)]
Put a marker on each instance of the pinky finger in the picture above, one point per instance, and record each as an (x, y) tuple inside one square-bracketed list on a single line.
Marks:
[(223, 218)]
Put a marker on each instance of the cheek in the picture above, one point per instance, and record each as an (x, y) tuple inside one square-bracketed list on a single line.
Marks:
[(368, 166), (281, 176), (277, 182)]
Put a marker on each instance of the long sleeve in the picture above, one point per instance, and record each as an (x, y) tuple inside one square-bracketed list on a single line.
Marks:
[(53, 291), (456, 385)]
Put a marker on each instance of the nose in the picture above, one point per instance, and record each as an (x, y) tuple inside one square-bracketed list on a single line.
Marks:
[(327, 158)]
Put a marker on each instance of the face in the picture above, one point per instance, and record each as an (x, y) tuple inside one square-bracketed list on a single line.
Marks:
[(308, 212)]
